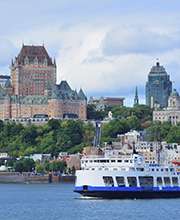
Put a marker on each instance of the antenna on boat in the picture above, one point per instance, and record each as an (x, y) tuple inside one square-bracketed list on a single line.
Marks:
[(105, 145), (134, 150)]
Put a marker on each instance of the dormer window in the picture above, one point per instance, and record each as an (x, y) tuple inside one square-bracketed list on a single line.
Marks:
[(36, 61), (45, 62), (26, 61)]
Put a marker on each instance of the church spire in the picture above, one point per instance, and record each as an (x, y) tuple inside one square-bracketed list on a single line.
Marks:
[(136, 99)]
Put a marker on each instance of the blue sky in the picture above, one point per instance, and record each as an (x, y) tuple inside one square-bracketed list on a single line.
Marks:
[(105, 47)]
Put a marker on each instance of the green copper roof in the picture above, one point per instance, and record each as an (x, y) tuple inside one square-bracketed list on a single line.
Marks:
[(8, 84), (91, 100), (101, 100), (35, 99), (81, 95), (48, 86), (174, 93), (64, 86), (158, 69)]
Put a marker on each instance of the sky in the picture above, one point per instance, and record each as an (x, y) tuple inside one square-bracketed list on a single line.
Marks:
[(105, 47)]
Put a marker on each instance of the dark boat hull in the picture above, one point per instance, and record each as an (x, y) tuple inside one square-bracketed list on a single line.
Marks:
[(130, 194)]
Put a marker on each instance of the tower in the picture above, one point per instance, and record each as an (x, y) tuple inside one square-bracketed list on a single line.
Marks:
[(136, 100), (158, 87), (31, 71)]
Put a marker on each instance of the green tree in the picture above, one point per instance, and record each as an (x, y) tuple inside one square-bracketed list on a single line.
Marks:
[(134, 123), (46, 165), (9, 163), (28, 164), (1, 162), (18, 166), (39, 168)]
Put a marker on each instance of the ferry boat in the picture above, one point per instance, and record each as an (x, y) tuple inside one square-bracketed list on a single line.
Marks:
[(127, 177)]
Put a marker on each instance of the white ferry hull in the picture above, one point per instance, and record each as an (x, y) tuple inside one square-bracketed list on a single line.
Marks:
[(127, 177)]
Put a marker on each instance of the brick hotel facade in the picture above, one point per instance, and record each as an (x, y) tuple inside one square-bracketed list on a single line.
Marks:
[(33, 89)]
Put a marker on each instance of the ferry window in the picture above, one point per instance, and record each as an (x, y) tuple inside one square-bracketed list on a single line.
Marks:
[(92, 169), (157, 169), (82, 161), (108, 181), (175, 181), (95, 161), (99, 168), (90, 161), (178, 171), (106, 168), (131, 161), (107, 161), (132, 181), (123, 169), (171, 169), (120, 181), (146, 181), (161, 169), (119, 161), (159, 181), (114, 168), (152, 169), (126, 161), (86, 161), (113, 161), (167, 181), (140, 169), (166, 169)]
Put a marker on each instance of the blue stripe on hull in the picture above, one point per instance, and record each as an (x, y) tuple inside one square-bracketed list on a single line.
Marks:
[(129, 192), (97, 188)]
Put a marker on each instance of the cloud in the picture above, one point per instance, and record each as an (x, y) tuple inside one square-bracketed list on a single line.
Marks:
[(136, 39), (7, 52)]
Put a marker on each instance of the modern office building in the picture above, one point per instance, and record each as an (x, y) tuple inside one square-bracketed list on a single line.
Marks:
[(34, 91), (158, 87)]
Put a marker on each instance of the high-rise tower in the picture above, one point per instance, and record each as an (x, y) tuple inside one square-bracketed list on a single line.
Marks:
[(158, 87), (31, 71)]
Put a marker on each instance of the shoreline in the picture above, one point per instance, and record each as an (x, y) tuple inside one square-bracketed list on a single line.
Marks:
[(25, 178)]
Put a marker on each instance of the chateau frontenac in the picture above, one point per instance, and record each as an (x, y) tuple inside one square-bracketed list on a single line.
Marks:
[(33, 89)]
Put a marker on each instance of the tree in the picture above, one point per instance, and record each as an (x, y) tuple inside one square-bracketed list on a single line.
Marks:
[(28, 164), (18, 166), (1, 162), (73, 170), (46, 165), (39, 168), (134, 123), (9, 163)]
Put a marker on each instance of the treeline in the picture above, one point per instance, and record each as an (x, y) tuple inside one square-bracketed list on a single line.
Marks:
[(72, 136), (164, 131), (54, 137)]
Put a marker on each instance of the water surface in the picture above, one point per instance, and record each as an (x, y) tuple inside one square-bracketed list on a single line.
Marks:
[(58, 201)]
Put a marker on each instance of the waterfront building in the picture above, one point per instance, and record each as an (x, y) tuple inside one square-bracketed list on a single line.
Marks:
[(34, 91), (103, 102), (158, 87), (172, 112)]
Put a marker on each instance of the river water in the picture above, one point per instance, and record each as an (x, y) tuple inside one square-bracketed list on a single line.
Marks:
[(58, 201)]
